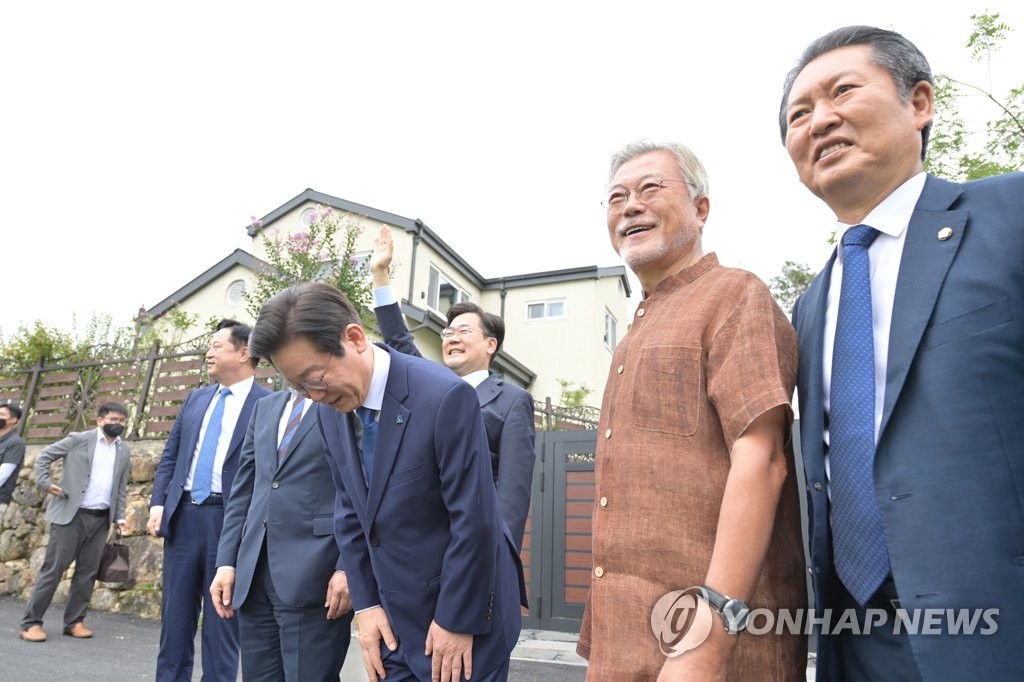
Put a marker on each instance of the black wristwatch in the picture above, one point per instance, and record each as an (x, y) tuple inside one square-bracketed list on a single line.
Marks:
[(734, 612)]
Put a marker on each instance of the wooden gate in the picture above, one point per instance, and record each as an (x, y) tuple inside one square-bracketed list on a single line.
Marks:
[(556, 548)]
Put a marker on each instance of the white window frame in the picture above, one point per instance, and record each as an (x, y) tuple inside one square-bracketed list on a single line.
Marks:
[(548, 304), (436, 280), (614, 331)]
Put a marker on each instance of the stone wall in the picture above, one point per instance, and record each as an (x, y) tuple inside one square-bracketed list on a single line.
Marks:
[(24, 533)]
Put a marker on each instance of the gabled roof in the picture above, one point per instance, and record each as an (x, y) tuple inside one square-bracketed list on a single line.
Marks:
[(417, 227), (236, 257)]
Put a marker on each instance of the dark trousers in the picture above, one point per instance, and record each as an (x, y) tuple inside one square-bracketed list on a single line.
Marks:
[(291, 643), (190, 557), (81, 540), (397, 668)]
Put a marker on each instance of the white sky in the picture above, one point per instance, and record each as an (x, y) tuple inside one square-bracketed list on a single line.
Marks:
[(137, 138)]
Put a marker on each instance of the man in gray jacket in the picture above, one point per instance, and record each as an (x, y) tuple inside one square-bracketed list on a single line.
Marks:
[(91, 492)]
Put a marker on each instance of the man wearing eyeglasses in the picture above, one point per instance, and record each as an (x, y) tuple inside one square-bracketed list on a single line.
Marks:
[(692, 494), (194, 476), (468, 346), (432, 571)]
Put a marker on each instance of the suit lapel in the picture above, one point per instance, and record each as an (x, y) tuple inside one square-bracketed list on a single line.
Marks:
[(488, 390), (394, 416), (923, 267), (811, 328)]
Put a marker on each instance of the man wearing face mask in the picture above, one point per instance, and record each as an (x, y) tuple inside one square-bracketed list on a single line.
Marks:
[(12, 454), (91, 492)]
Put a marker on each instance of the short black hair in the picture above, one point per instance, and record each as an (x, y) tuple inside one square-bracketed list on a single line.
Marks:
[(493, 326), (240, 333), (13, 409), (107, 408), (315, 311)]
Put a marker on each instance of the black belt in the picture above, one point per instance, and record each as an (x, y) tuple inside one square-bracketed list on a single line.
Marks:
[(886, 597), (214, 498), (94, 512)]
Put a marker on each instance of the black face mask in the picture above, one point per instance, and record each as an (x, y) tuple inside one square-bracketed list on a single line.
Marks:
[(3, 422), (113, 430)]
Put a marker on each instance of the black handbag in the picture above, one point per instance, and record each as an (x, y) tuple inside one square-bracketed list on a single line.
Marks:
[(114, 563)]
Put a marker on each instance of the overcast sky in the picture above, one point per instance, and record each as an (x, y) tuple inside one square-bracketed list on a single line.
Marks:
[(138, 138)]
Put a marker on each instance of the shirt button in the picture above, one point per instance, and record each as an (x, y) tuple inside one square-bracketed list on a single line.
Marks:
[(817, 486), (640, 312), (608, 434), (604, 501), (599, 571), (619, 369), (275, 485)]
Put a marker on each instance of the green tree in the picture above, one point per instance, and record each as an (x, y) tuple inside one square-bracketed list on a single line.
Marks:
[(954, 151), (324, 253), (788, 286)]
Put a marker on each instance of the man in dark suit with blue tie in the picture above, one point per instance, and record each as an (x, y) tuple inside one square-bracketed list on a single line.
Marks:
[(911, 377), (194, 476), (469, 343), (278, 565), (434, 576)]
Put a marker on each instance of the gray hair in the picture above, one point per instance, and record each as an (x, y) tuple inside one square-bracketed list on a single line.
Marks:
[(905, 63), (690, 166)]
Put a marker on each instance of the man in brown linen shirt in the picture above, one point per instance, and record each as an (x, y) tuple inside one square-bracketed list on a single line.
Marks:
[(694, 482)]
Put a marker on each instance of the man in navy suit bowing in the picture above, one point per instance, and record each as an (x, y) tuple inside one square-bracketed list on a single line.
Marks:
[(194, 476), (433, 574), (911, 377), (469, 343)]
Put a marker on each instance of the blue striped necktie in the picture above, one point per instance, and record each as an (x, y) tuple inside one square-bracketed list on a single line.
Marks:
[(202, 479), (861, 557), (368, 438), (293, 421)]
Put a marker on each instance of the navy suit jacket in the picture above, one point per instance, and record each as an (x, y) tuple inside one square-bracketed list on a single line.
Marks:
[(425, 540), (287, 504), (507, 411), (172, 472), (949, 465)]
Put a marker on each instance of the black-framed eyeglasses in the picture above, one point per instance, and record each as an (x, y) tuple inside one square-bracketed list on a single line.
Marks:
[(462, 330), (646, 192), (305, 387)]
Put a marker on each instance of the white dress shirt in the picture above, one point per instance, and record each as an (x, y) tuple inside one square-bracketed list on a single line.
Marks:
[(232, 409), (101, 479)]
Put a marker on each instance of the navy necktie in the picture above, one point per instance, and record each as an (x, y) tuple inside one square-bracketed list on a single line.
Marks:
[(368, 439), (861, 558), (202, 479), (293, 422)]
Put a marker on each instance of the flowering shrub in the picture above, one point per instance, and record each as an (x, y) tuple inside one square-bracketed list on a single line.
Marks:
[(325, 252)]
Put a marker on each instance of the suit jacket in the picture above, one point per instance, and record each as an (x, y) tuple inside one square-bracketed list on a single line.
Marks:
[(507, 412), (77, 451), (172, 472), (425, 539), (289, 505), (949, 462)]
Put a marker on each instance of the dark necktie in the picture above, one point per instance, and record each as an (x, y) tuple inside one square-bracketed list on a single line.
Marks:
[(861, 558), (368, 439), (202, 479), (293, 421)]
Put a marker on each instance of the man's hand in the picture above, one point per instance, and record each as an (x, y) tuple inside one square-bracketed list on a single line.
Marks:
[(156, 516), (373, 627), (451, 654), (338, 600), (707, 662), (220, 590), (56, 490), (380, 260)]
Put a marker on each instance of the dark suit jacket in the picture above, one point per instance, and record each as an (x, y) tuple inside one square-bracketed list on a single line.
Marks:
[(949, 466), (507, 411), (77, 450), (172, 472), (426, 540), (290, 506)]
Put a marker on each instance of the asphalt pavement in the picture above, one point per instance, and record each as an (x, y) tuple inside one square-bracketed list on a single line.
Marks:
[(124, 648)]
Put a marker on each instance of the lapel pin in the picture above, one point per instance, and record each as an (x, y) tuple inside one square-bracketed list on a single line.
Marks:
[(399, 419), (945, 233)]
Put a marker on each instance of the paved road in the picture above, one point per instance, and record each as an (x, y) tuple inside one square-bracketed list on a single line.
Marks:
[(124, 648)]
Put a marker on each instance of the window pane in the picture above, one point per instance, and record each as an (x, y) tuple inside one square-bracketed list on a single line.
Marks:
[(534, 311), (432, 288), (556, 308)]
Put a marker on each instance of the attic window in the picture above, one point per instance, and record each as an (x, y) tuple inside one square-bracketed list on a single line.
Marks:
[(308, 217), (236, 292)]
